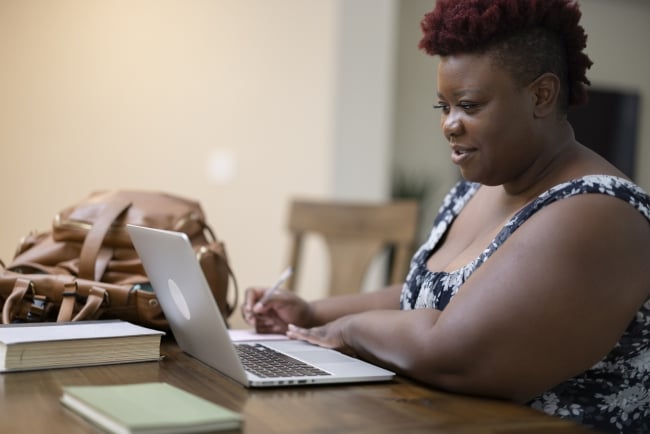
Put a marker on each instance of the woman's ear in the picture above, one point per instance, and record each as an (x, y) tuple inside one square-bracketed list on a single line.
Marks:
[(546, 91)]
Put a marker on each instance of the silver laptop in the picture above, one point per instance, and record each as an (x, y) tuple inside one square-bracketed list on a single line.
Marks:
[(200, 330)]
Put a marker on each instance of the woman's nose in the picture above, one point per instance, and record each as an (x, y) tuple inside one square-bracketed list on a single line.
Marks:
[(451, 126)]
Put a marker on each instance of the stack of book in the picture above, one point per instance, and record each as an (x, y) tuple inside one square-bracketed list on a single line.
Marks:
[(26, 347)]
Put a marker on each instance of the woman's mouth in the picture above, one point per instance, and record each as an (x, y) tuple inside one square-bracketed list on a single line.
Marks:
[(460, 155)]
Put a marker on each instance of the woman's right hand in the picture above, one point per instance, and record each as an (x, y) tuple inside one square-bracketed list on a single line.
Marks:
[(277, 312)]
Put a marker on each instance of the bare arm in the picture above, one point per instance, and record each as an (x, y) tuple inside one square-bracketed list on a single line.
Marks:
[(551, 302), (329, 309), (285, 307)]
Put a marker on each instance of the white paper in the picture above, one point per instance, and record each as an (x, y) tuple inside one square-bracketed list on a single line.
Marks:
[(74, 330), (239, 335)]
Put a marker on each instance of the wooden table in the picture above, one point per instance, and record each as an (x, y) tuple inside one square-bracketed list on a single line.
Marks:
[(29, 403)]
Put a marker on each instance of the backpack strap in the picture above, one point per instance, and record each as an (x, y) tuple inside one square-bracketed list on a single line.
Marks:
[(94, 258)]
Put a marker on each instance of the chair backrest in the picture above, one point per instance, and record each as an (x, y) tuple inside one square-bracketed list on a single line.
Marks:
[(355, 233)]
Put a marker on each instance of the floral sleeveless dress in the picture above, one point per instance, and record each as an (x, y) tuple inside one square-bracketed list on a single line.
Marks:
[(614, 394)]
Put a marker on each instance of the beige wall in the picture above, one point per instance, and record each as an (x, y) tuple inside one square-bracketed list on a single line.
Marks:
[(296, 97), (99, 94), (236, 104)]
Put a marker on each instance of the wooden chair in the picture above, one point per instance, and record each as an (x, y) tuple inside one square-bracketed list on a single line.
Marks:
[(355, 233)]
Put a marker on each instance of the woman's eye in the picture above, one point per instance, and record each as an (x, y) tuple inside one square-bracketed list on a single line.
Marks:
[(468, 106), (465, 106), (443, 107)]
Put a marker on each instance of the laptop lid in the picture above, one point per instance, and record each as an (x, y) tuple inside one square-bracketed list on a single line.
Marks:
[(199, 329)]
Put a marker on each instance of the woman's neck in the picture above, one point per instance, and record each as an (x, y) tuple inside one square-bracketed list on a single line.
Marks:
[(560, 151)]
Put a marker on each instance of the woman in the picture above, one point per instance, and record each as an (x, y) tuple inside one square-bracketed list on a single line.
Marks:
[(533, 285)]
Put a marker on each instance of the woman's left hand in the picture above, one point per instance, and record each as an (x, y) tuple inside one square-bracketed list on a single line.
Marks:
[(330, 335)]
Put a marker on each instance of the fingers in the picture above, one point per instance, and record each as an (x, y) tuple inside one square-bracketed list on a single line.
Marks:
[(270, 322), (262, 317), (251, 298), (268, 325), (295, 332), (328, 336), (275, 313), (311, 335)]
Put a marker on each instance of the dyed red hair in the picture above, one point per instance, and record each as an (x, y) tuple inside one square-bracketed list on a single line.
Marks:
[(550, 29)]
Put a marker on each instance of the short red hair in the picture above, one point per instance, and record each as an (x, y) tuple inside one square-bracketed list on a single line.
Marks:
[(529, 37)]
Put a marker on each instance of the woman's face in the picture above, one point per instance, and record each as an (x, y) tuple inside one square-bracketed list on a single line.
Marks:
[(487, 119)]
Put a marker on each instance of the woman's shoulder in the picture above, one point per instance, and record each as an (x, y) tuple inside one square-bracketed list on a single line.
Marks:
[(608, 185), (588, 216), (600, 183)]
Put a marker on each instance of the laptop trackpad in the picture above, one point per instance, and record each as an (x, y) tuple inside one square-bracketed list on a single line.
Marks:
[(309, 353)]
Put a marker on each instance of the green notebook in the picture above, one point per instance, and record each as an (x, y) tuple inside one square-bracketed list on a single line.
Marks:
[(148, 408)]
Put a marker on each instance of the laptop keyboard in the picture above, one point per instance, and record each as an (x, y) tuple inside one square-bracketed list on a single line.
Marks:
[(268, 363)]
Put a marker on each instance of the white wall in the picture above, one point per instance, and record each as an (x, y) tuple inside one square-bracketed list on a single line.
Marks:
[(364, 103), (420, 151)]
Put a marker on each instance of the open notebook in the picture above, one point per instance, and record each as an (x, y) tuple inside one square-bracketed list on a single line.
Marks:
[(200, 330)]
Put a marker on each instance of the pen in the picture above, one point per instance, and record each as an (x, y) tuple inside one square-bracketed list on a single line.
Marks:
[(283, 277)]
